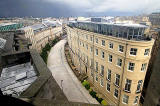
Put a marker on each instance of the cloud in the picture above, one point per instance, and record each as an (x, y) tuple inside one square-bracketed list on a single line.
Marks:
[(97, 6)]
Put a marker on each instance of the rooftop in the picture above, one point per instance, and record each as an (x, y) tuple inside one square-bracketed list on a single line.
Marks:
[(5, 24), (115, 24), (2, 43), (17, 78)]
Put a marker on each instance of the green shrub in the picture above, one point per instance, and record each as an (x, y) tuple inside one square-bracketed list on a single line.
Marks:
[(104, 102), (87, 87), (99, 99), (86, 84), (90, 89), (93, 94)]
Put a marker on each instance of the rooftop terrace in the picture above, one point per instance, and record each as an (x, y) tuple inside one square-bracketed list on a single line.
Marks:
[(120, 30)]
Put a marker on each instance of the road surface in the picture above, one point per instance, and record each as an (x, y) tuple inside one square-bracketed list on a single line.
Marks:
[(65, 77)]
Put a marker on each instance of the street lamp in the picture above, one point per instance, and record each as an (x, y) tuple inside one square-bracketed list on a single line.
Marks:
[(61, 85)]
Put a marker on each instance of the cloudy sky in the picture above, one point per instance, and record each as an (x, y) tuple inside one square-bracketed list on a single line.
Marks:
[(65, 8)]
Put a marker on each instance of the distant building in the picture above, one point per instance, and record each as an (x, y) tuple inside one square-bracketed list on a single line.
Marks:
[(102, 19), (155, 19), (114, 57), (40, 34), (9, 26)]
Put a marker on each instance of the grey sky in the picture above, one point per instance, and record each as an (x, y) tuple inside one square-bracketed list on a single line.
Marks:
[(65, 8)]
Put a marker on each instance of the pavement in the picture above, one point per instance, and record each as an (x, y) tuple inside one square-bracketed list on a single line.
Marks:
[(65, 77)]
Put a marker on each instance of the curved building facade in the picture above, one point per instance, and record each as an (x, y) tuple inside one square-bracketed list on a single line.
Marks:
[(115, 62)]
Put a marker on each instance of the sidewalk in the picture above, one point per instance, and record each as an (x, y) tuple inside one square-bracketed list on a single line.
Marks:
[(65, 77)]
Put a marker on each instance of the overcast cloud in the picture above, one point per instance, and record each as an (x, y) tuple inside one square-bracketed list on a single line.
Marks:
[(145, 6), (66, 8)]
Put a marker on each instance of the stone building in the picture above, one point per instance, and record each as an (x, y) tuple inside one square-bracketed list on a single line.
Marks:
[(114, 57), (40, 34)]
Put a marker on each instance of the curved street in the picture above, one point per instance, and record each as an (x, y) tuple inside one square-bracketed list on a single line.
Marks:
[(64, 76)]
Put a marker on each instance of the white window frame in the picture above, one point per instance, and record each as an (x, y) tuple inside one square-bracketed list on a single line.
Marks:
[(133, 51), (96, 53), (109, 87), (102, 70), (102, 54), (96, 79), (125, 97), (136, 99), (116, 78), (91, 38), (108, 74), (144, 67), (103, 41), (146, 53), (119, 62), (96, 67), (110, 45), (139, 85), (97, 40), (91, 49), (126, 82), (131, 66), (102, 80), (109, 58), (87, 37), (119, 49), (115, 92)]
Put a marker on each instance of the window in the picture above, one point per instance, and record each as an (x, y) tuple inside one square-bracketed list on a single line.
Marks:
[(136, 100), (87, 46), (131, 66), (116, 93), (86, 36), (128, 85), (144, 66), (97, 52), (91, 49), (117, 79), (96, 40), (96, 66), (103, 54), (96, 77), (109, 75), (146, 52), (133, 51), (102, 70), (92, 73), (139, 86), (119, 62), (83, 44), (125, 99), (108, 87), (101, 82), (110, 58), (91, 38), (103, 42), (121, 48), (110, 45), (91, 62)]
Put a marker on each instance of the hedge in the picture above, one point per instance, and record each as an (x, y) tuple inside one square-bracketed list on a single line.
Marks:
[(86, 84)]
